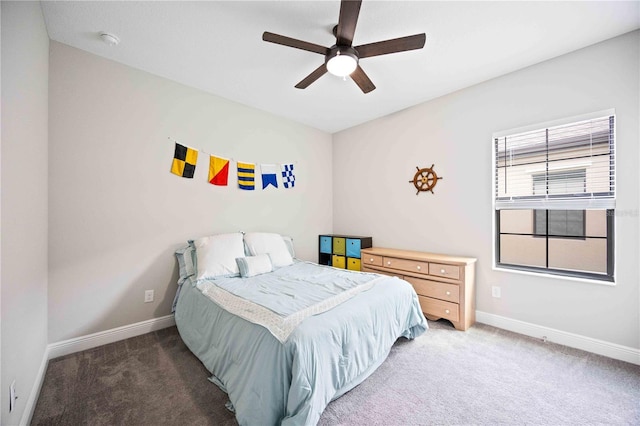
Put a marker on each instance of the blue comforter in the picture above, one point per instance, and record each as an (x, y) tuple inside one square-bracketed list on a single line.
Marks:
[(290, 383)]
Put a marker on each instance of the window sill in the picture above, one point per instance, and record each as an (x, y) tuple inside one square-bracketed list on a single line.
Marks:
[(555, 276)]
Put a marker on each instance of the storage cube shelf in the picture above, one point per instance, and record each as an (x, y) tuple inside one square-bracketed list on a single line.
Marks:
[(342, 251)]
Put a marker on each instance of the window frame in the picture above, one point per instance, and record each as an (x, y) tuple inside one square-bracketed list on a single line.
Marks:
[(591, 277)]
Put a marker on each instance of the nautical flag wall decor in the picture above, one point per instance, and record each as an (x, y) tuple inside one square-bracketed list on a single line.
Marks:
[(269, 175), (184, 161), (186, 158), (246, 176), (288, 178), (218, 171)]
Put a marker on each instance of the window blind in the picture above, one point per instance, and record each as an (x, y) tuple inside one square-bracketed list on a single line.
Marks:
[(564, 167)]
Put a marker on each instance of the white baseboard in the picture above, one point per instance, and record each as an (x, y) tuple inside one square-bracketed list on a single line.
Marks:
[(30, 405), (89, 341), (600, 347)]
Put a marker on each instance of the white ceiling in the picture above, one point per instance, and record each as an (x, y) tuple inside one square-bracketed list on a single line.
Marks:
[(217, 46)]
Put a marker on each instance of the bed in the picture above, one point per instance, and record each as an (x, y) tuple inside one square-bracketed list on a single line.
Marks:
[(284, 337)]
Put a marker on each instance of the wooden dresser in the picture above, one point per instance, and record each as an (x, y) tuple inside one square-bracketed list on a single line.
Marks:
[(445, 284)]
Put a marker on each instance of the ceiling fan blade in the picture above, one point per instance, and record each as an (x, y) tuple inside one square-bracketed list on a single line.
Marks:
[(349, 11), (316, 74), (401, 44), (292, 42), (362, 80)]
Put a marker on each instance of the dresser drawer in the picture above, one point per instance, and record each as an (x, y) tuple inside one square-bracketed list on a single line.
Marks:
[(442, 291), (405, 264), (376, 271), (371, 259), (439, 308), (447, 271)]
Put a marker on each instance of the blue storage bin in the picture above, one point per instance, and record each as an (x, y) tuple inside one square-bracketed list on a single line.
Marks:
[(325, 244), (353, 248)]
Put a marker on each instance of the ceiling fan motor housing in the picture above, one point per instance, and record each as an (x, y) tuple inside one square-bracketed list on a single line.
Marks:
[(335, 52)]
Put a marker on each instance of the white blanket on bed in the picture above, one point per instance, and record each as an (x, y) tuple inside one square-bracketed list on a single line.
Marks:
[(310, 282)]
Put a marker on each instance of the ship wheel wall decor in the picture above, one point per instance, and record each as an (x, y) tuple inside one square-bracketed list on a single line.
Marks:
[(425, 179)]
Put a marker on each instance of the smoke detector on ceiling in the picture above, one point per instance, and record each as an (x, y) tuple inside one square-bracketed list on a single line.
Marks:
[(110, 39)]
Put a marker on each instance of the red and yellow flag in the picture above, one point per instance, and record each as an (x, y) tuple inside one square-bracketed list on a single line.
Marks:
[(218, 171)]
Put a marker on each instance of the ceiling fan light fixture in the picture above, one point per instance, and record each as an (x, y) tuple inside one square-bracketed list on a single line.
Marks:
[(341, 61)]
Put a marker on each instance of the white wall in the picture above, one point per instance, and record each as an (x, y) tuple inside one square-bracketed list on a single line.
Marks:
[(374, 162), (25, 58), (116, 213)]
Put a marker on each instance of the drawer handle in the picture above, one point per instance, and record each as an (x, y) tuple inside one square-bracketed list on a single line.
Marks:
[(446, 311), (371, 260), (419, 267), (389, 263), (442, 271), (448, 293)]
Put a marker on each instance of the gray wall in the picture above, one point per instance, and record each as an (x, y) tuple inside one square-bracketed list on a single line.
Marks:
[(25, 59), (116, 213), (374, 162)]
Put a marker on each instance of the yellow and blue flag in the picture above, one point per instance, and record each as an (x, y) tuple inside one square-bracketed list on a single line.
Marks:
[(246, 176)]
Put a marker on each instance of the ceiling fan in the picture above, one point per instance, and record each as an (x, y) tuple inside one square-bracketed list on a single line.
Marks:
[(342, 58)]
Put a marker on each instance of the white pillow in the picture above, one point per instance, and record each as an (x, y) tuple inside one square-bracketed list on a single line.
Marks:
[(254, 265), (271, 244), (216, 255)]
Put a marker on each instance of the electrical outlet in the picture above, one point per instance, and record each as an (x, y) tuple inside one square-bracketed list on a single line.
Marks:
[(495, 291), (12, 396), (148, 296)]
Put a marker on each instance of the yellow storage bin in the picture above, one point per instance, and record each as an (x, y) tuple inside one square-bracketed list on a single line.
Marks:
[(338, 261), (353, 264), (339, 246)]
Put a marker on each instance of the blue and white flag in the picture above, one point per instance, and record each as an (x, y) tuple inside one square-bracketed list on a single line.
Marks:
[(288, 178), (269, 175)]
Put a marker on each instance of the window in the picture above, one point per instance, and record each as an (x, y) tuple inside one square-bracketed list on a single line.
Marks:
[(562, 223), (555, 198)]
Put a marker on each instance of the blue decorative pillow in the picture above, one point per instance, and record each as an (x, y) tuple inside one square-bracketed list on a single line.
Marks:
[(187, 269), (186, 262), (254, 265)]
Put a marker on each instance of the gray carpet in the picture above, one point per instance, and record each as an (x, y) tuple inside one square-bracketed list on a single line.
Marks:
[(484, 376)]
